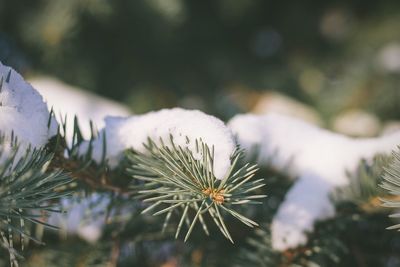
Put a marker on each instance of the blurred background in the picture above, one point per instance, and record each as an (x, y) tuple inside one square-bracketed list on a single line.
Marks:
[(333, 63)]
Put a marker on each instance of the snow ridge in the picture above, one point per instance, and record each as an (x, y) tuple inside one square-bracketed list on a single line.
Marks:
[(132, 132), (319, 160)]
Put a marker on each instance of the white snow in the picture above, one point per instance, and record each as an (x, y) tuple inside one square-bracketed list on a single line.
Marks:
[(69, 100), (23, 112), (317, 157), (133, 132)]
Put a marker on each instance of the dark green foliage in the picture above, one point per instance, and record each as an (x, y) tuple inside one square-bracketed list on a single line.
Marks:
[(69, 253), (258, 251)]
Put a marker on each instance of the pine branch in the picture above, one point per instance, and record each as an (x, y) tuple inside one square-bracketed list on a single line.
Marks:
[(174, 181), (391, 184), (324, 248), (259, 251), (81, 166), (27, 192), (363, 189)]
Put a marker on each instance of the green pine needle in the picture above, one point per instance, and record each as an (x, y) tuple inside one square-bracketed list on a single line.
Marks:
[(27, 192), (391, 184), (174, 181), (363, 189)]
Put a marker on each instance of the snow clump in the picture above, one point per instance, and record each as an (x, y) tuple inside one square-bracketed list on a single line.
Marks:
[(185, 127), (23, 114)]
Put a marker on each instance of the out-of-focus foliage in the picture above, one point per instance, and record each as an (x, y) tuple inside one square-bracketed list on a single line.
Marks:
[(156, 53), (363, 188)]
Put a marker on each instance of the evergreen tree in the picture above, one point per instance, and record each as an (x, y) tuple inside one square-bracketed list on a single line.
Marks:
[(173, 188)]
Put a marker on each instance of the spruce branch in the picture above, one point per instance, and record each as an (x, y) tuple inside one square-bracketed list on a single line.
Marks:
[(258, 251), (323, 249), (391, 183), (174, 181), (363, 189), (27, 191), (80, 164)]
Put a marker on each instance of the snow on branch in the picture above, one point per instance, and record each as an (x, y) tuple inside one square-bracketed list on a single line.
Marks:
[(185, 126), (23, 113), (27, 188), (176, 182), (318, 158), (188, 160)]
